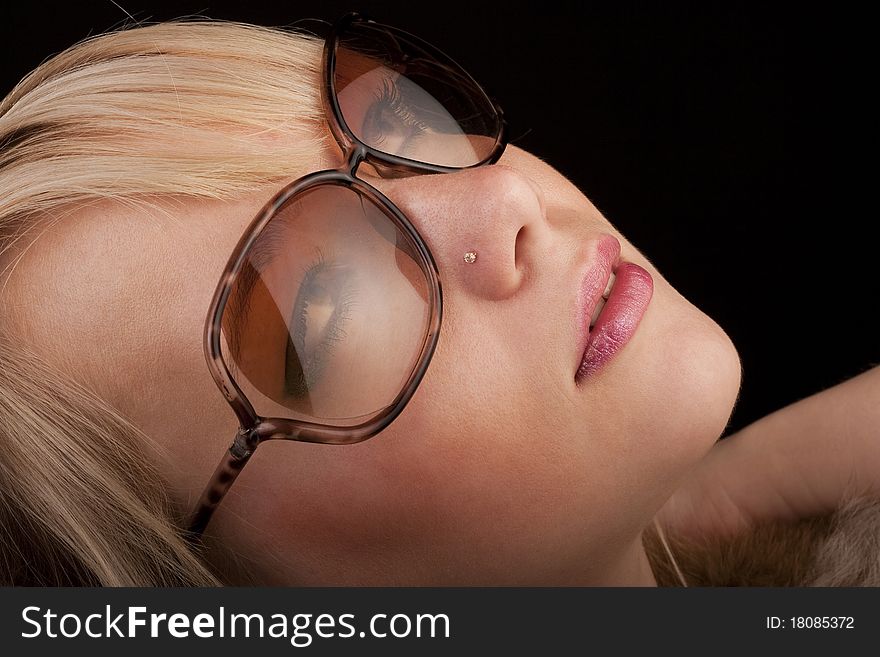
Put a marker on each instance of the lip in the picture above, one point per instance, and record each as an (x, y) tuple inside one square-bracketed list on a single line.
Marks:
[(620, 317)]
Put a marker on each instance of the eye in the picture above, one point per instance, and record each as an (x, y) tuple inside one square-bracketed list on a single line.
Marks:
[(317, 323), (391, 123)]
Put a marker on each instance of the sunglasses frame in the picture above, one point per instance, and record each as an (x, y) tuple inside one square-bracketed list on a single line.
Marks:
[(254, 429)]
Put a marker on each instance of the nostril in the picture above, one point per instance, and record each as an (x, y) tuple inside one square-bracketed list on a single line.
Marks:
[(518, 246)]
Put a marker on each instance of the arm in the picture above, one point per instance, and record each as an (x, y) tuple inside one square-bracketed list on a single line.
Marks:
[(798, 462)]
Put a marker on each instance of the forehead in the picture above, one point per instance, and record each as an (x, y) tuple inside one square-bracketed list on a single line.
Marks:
[(114, 278), (124, 246)]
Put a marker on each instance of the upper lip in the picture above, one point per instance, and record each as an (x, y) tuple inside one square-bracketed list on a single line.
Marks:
[(603, 259)]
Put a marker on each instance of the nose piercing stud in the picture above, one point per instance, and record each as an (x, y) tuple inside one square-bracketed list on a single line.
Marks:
[(470, 257)]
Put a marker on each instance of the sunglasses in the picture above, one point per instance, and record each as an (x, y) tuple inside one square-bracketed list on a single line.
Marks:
[(328, 312)]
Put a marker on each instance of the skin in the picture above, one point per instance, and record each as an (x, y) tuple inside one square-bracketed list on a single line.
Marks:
[(501, 470)]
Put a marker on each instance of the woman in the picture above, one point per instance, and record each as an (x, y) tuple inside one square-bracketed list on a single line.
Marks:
[(542, 441)]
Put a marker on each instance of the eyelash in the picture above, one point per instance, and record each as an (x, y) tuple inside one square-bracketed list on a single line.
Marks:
[(335, 332), (390, 98)]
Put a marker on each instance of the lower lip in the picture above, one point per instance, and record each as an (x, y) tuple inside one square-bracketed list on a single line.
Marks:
[(619, 319)]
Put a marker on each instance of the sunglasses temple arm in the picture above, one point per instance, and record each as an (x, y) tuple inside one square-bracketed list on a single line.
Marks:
[(227, 471)]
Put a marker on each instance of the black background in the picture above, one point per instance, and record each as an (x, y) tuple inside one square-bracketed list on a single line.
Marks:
[(716, 138)]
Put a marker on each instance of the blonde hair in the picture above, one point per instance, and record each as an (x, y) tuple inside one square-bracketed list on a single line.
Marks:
[(198, 108)]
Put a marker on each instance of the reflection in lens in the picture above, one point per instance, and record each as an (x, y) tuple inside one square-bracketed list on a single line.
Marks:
[(397, 98), (329, 315)]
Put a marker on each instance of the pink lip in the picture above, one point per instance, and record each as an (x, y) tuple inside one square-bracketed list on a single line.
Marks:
[(620, 317)]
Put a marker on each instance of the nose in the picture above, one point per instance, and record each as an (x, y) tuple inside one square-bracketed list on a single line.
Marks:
[(494, 212)]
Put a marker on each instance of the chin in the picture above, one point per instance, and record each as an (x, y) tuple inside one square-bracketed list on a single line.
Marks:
[(711, 373)]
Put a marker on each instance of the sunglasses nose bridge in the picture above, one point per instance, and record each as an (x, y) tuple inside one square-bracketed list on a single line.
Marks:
[(354, 154)]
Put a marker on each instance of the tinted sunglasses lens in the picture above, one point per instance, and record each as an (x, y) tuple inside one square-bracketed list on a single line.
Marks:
[(402, 100), (329, 317)]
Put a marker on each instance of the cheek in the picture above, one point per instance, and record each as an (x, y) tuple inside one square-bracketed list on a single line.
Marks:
[(478, 480), (474, 479)]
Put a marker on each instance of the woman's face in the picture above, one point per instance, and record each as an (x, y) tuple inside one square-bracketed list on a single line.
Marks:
[(503, 468)]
